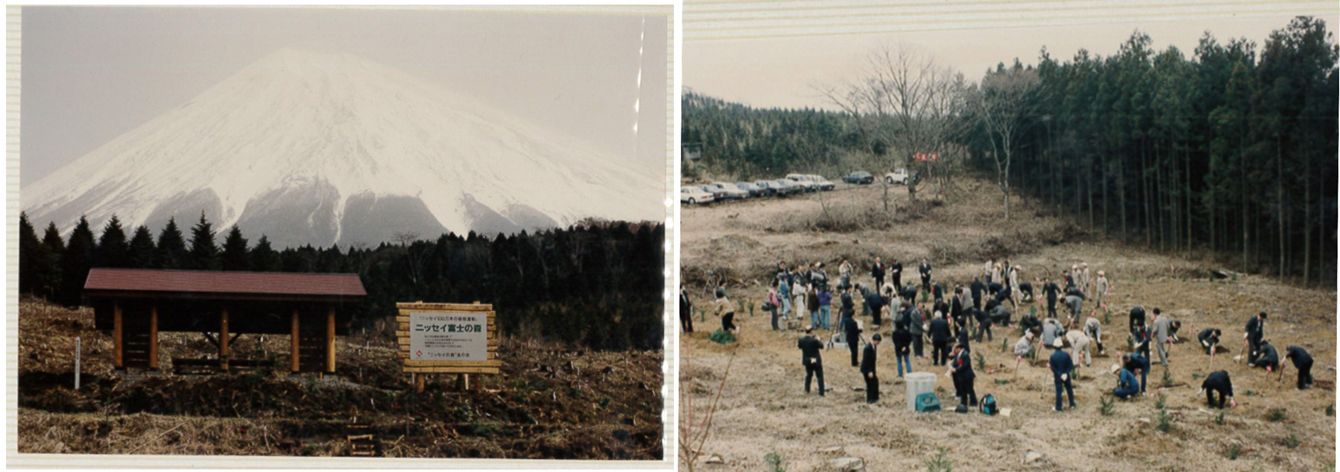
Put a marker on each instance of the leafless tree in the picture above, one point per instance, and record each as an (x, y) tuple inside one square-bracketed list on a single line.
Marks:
[(695, 424), (414, 258), (905, 99), (1001, 103)]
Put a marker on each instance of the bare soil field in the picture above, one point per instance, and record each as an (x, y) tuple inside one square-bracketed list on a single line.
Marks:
[(764, 410), (550, 401)]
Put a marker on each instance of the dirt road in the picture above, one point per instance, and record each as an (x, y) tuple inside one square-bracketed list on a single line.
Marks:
[(765, 410)]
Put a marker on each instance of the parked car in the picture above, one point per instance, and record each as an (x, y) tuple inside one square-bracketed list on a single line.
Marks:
[(805, 182), (859, 177), (728, 191), (767, 187), (695, 196), (822, 183), (898, 176), (787, 186), (754, 190), (718, 194)]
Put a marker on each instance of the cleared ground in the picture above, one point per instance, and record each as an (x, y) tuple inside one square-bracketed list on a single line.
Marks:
[(764, 408), (550, 401)]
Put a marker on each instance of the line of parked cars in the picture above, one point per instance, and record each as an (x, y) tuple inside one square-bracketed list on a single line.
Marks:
[(722, 191)]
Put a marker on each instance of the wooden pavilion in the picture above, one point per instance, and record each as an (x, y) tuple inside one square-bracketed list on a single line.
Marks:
[(137, 304)]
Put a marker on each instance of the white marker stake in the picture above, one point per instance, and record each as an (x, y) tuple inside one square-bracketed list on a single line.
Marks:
[(76, 363)]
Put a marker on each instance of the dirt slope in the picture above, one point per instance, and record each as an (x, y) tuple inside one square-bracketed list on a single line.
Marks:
[(764, 408)]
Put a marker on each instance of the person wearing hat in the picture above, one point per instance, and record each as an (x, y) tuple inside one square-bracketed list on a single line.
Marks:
[(1218, 382), (868, 370), (1127, 385), (1255, 332), (940, 338), (851, 331), (1138, 364), (1209, 339), (1023, 348), (810, 357), (960, 369), (1061, 366), (726, 310), (1094, 329)]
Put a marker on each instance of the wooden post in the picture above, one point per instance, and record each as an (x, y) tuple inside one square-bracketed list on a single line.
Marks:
[(418, 382), (117, 331), (153, 337), (293, 339), (330, 341), (223, 339)]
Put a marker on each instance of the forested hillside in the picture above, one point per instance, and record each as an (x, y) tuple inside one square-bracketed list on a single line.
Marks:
[(597, 284), (1229, 148)]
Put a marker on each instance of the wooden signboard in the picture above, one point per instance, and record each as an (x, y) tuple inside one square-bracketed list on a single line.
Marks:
[(447, 338)]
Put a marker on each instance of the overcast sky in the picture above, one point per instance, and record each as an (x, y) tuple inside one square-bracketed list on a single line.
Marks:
[(777, 54), (93, 73)]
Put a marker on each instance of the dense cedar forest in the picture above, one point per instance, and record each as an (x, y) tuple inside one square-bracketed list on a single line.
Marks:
[(1229, 148), (595, 284)]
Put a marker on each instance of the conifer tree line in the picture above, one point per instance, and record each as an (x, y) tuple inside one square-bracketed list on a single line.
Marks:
[(595, 284), (1230, 148)]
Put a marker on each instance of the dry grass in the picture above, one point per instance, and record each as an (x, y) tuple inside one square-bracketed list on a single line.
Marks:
[(550, 402), (764, 408)]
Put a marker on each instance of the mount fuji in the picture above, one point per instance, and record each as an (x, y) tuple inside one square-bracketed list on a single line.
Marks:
[(320, 148)]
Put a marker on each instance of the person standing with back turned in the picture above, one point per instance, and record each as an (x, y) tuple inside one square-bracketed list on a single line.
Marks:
[(1061, 366), (868, 370), (810, 357)]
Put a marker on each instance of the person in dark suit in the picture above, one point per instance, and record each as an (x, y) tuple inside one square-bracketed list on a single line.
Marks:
[(877, 272), (896, 270), (685, 311), (810, 357), (960, 370), (868, 371), (940, 338), (1255, 332), (1218, 382), (1061, 366), (925, 269), (1301, 360), (852, 333)]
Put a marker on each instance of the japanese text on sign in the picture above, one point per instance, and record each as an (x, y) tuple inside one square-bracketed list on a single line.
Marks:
[(454, 336)]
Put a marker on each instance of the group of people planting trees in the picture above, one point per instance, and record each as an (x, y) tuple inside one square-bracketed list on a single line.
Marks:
[(922, 311)]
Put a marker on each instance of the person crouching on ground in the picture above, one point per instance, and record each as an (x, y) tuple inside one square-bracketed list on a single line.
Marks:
[(960, 369), (1079, 346), (1267, 357), (726, 310), (1209, 340), (1023, 349), (1094, 329), (1061, 366), (810, 357), (1218, 382), (868, 370), (1127, 385), (1138, 364)]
